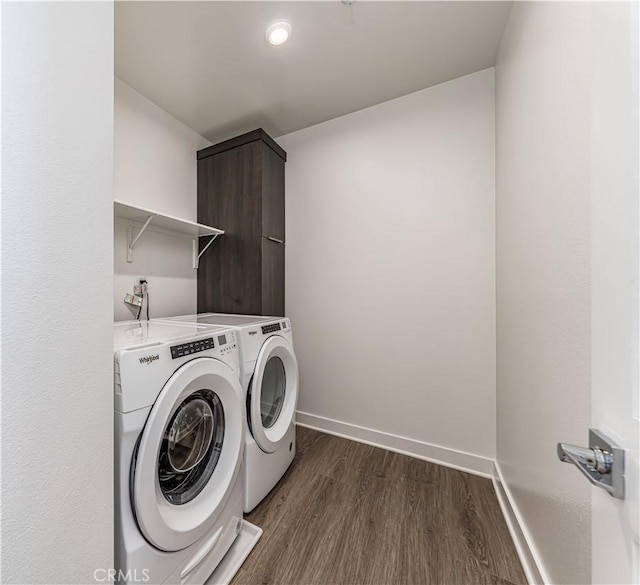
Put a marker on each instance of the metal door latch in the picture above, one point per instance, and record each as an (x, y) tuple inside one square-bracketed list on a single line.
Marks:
[(602, 463)]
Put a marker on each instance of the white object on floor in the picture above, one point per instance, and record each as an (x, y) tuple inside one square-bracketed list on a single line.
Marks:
[(269, 379), (247, 538), (179, 435)]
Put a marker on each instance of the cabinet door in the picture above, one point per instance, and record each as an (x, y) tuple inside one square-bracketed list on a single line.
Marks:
[(229, 190), (272, 194), (272, 278), (229, 196)]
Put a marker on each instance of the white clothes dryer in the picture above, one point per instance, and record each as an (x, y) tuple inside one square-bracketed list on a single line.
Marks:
[(269, 377), (179, 440)]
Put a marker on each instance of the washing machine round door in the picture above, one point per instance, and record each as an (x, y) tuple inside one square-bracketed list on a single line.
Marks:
[(273, 394), (189, 454)]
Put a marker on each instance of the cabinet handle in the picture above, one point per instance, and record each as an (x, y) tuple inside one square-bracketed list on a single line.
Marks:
[(276, 240)]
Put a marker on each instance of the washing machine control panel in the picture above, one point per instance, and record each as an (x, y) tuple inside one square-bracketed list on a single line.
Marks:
[(227, 343), (178, 351)]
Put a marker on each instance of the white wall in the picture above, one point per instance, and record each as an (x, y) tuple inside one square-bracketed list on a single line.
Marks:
[(57, 348), (390, 265), (155, 168), (543, 85)]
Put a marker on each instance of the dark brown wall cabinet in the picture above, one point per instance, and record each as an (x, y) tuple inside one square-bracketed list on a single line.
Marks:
[(241, 190)]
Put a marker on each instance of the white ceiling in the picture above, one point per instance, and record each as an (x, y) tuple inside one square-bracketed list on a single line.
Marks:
[(208, 64)]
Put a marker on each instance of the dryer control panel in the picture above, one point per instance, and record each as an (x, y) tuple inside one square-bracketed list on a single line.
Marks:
[(270, 328), (273, 327)]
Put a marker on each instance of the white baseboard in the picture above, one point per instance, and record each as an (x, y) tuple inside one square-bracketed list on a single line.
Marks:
[(460, 460), (529, 557)]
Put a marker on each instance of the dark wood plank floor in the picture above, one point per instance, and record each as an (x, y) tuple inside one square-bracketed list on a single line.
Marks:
[(350, 514)]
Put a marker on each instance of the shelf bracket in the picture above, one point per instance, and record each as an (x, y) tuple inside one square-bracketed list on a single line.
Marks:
[(196, 255), (131, 241)]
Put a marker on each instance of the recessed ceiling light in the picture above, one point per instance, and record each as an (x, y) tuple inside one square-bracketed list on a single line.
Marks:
[(278, 33)]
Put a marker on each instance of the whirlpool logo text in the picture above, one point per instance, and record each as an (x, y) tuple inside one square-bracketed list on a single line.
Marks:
[(149, 359)]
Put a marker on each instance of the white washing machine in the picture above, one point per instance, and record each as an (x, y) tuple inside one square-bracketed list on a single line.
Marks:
[(179, 440), (269, 377)]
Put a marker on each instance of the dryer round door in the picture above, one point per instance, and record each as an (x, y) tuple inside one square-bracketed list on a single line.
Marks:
[(189, 454), (273, 394)]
